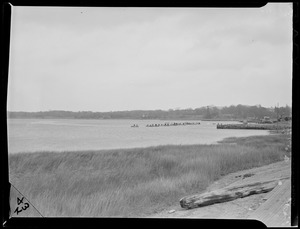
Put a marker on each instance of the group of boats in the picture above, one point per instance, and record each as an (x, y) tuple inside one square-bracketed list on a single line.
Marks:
[(169, 124)]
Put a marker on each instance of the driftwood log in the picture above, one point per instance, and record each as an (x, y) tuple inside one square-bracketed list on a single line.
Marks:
[(227, 194)]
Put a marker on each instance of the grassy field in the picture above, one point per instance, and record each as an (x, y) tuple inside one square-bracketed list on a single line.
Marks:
[(133, 182)]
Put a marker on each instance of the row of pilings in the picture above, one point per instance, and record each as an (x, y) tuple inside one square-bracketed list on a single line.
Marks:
[(173, 124)]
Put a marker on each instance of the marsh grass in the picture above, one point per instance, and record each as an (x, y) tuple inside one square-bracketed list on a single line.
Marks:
[(133, 182)]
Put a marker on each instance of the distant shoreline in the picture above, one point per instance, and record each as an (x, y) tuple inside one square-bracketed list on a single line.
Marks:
[(169, 119), (209, 113)]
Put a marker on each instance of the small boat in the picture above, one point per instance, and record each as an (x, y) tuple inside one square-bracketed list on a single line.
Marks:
[(135, 125)]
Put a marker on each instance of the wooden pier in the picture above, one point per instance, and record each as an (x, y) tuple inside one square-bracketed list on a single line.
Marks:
[(251, 126)]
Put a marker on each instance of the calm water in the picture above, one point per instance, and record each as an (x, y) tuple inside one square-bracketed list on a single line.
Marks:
[(27, 135)]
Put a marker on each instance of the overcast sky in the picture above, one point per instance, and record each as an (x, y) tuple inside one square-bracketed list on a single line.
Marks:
[(108, 59)]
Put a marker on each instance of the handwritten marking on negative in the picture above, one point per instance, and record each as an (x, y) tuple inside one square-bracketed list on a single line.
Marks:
[(21, 206)]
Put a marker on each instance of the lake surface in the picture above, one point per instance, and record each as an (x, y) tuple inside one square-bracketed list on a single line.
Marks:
[(29, 135)]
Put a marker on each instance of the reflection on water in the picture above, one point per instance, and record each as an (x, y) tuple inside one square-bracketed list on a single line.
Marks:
[(26, 135)]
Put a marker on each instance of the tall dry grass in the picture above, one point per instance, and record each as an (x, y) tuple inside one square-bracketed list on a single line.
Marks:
[(132, 182)]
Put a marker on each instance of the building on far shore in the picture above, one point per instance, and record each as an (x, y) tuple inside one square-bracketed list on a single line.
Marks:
[(266, 119)]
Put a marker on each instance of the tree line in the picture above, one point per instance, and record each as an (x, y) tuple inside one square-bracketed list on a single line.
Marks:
[(232, 112)]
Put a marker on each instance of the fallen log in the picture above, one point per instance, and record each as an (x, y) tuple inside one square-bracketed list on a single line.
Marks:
[(227, 194)]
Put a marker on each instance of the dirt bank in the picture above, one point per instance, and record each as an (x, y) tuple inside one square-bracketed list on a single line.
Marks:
[(252, 207)]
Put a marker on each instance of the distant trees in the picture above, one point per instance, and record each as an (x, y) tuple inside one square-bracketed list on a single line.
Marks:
[(243, 112), (208, 112)]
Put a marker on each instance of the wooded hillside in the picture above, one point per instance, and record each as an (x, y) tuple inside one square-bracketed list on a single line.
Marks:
[(208, 112)]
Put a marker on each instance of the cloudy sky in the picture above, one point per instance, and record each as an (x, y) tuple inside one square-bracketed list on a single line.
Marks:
[(108, 59)]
